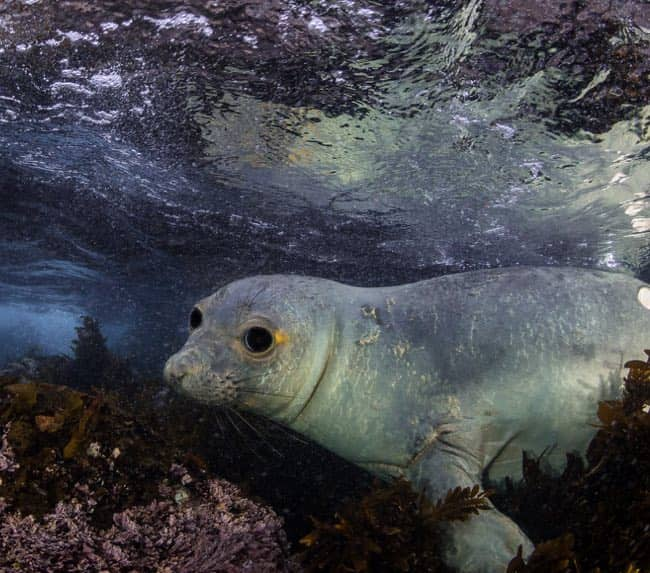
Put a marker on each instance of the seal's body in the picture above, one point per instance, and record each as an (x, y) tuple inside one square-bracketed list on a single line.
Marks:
[(440, 381)]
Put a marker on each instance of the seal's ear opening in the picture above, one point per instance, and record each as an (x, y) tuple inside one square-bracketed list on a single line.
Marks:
[(196, 318)]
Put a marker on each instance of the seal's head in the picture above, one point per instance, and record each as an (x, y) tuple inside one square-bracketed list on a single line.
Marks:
[(262, 343)]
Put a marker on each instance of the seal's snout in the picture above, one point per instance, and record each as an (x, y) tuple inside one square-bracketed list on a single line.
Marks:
[(170, 372), (191, 372), (183, 363)]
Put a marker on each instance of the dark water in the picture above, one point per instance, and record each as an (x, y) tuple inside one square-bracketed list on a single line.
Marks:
[(150, 151)]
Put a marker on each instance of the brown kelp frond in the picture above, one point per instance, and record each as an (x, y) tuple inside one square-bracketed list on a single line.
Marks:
[(459, 504), (392, 528), (637, 385), (554, 556), (625, 424), (80, 432)]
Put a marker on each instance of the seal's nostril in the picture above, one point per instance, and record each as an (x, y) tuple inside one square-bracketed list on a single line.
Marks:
[(173, 371), (187, 363), (167, 372), (196, 318)]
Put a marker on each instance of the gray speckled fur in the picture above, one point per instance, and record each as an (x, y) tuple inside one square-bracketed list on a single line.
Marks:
[(438, 381)]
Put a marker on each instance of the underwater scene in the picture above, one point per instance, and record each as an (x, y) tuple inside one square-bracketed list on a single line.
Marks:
[(325, 286)]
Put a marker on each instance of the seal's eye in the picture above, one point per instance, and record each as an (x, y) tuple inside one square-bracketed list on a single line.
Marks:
[(257, 339), (196, 318)]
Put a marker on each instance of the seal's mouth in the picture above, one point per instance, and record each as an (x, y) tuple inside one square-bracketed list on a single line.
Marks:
[(189, 375), (210, 387), (227, 388)]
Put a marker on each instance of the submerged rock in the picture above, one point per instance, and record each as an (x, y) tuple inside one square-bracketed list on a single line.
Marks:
[(7, 457)]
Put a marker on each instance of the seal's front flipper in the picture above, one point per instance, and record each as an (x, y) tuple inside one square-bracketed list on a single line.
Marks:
[(486, 543)]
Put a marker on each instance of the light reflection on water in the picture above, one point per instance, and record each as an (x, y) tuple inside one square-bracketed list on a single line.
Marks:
[(163, 148)]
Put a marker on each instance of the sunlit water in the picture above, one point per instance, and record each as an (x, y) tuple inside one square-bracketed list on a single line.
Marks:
[(150, 151)]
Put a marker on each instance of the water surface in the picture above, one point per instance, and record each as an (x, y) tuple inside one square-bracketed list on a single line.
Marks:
[(151, 151)]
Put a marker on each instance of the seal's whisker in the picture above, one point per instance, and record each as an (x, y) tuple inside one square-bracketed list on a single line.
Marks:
[(219, 420), (252, 427), (261, 392), (227, 410), (253, 377), (286, 431)]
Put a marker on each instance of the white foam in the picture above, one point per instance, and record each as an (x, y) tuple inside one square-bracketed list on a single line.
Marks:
[(101, 117), (75, 37), (634, 209), (367, 13), (71, 86), (506, 131), (608, 260), (108, 26), (72, 36), (71, 73), (109, 80), (180, 20), (618, 178), (535, 168), (315, 23)]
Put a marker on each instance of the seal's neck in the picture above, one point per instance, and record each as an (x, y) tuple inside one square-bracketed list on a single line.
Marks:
[(314, 372)]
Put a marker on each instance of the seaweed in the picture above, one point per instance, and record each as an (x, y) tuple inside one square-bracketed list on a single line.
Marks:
[(90, 345), (594, 517), (391, 529), (554, 556), (81, 429), (63, 439), (93, 365)]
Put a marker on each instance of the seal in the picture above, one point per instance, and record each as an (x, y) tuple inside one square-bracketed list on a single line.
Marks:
[(443, 382)]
